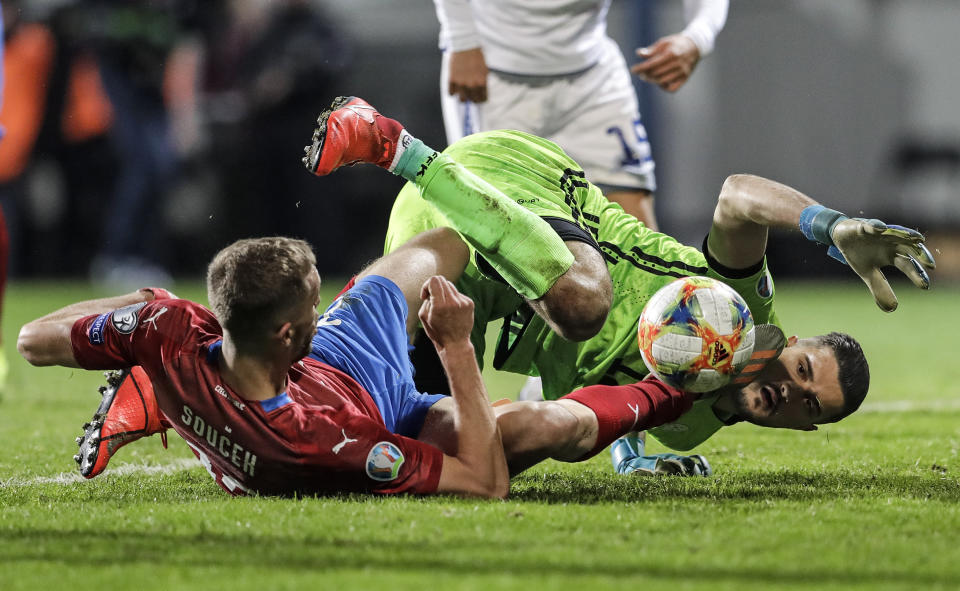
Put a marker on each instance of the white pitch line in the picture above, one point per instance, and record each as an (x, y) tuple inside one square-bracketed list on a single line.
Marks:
[(123, 470), (909, 405), (892, 406)]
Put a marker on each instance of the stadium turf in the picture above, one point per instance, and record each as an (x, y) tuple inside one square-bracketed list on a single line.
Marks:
[(869, 503)]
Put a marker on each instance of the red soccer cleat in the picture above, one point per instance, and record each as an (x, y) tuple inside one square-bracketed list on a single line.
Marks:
[(128, 411), (352, 131)]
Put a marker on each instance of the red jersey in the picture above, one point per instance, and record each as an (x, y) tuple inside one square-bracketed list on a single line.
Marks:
[(324, 434)]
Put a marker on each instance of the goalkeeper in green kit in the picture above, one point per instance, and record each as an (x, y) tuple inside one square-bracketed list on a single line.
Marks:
[(569, 273)]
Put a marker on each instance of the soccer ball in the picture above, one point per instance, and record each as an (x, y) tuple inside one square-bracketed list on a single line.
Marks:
[(696, 334)]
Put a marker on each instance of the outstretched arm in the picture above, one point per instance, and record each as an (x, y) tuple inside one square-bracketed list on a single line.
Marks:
[(46, 340), (749, 205), (478, 466)]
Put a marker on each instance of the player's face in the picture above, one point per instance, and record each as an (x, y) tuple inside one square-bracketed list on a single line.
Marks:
[(305, 324), (796, 391)]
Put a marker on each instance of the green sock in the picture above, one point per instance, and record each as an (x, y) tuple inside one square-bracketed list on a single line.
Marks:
[(414, 159), (523, 248)]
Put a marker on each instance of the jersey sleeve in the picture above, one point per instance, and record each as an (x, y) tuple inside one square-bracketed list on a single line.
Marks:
[(705, 19), (366, 457), (136, 334), (754, 283), (457, 29), (757, 290)]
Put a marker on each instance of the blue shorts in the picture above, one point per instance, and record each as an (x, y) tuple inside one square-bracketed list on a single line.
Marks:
[(363, 333)]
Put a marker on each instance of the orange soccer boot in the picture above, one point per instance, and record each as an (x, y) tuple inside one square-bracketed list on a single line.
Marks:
[(128, 411), (352, 131)]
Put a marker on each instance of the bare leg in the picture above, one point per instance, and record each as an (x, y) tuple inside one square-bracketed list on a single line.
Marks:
[(439, 427), (563, 430), (639, 204), (573, 428), (576, 306), (435, 252), (531, 432)]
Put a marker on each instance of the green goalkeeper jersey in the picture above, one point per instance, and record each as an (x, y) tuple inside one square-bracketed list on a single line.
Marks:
[(539, 176)]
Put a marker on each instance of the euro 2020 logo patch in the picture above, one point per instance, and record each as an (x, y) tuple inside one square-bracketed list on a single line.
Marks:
[(384, 461), (765, 286), (125, 319)]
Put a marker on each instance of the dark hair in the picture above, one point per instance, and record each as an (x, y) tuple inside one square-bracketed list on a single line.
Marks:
[(253, 282), (853, 371)]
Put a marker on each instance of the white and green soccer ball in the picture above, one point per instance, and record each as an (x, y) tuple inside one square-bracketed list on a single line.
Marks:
[(696, 334)]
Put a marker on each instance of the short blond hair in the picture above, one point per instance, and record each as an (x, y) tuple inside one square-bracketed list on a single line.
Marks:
[(254, 282)]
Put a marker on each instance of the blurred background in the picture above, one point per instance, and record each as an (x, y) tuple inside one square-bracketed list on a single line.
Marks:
[(144, 136)]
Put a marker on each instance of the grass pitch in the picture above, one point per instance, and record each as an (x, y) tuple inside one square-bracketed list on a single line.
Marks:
[(870, 503)]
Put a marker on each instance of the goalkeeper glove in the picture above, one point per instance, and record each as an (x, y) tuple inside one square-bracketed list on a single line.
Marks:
[(627, 456), (866, 246)]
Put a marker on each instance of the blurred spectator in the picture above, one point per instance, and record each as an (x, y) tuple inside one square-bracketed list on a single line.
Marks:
[(4, 238), (106, 104), (148, 55), (57, 166), (268, 67), (28, 57), (52, 99)]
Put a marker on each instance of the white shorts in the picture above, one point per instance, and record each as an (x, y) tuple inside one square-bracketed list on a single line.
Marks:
[(593, 115)]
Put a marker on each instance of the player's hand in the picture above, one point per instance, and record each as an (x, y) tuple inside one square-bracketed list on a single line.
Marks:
[(868, 245), (666, 465), (668, 63), (627, 456), (446, 314), (157, 293), (676, 465), (468, 75)]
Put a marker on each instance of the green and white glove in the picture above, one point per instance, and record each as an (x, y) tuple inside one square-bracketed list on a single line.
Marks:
[(627, 456), (868, 245)]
